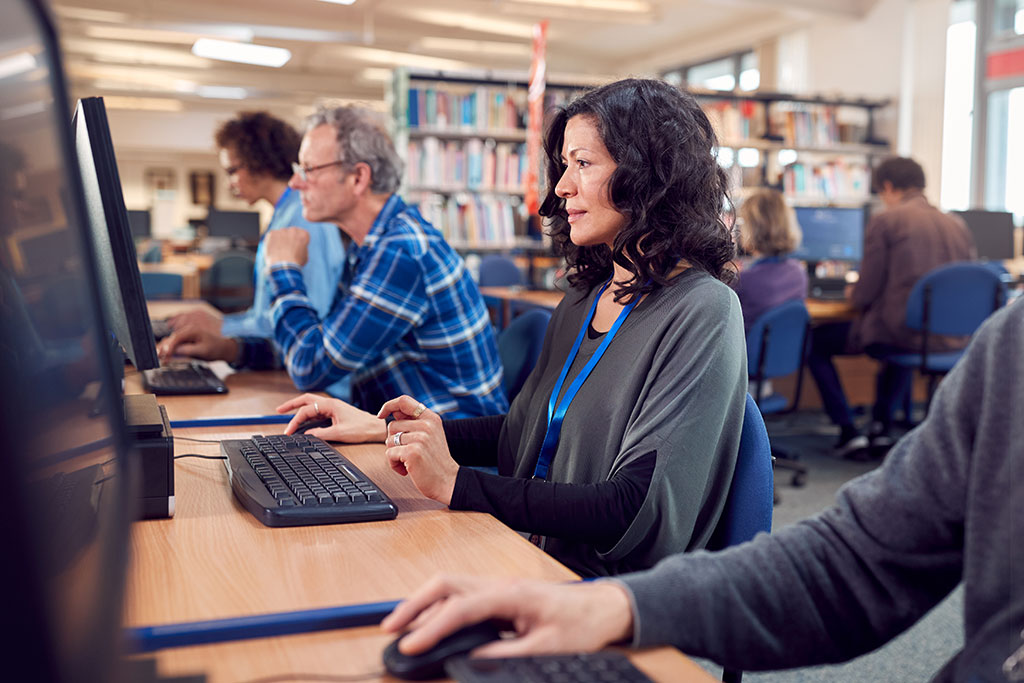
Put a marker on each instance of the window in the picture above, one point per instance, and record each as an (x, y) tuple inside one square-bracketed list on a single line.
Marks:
[(739, 70), (957, 117)]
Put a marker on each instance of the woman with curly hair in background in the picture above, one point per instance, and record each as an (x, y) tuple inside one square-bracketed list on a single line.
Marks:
[(621, 446)]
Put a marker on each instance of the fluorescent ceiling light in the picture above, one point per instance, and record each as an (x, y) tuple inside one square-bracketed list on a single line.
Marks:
[(222, 92), (478, 47), (144, 103), (637, 6), (17, 64), (244, 53)]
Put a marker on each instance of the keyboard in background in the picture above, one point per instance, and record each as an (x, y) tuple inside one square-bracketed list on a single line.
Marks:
[(192, 377), (611, 667), (828, 288), (161, 329), (296, 479)]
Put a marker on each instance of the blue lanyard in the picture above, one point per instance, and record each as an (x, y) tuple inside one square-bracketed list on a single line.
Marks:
[(557, 414)]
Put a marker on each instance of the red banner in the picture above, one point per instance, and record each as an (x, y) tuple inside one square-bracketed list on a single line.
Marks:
[(535, 116)]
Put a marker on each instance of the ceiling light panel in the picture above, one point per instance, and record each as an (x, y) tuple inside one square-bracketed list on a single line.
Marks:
[(242, 53)]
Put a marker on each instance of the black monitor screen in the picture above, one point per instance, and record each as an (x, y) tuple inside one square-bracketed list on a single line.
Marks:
[(120, 283), (139, 222), (241, 225), (992, 232), (66, 503), (830, 234)]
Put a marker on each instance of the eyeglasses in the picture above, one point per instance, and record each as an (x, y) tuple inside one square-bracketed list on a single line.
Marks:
[(304, 171)]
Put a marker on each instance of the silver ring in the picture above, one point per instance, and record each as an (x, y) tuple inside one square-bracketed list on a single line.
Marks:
[(396, 440), (316, 407)]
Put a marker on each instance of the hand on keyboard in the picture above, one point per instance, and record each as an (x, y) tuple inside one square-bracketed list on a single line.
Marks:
[(190, 340), (349, 424)]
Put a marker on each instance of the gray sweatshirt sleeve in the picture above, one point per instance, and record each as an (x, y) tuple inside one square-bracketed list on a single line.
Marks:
[(844, 582)]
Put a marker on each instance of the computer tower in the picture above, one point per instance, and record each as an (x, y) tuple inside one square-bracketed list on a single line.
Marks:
[(149, 432)]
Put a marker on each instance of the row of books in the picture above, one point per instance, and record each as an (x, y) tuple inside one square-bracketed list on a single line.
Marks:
[(472, 164), (473, 219), (819, 125), (730, 120), (834, 180), (466, 107)]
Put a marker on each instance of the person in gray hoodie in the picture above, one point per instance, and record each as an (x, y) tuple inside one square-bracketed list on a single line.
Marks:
[(946, 507)]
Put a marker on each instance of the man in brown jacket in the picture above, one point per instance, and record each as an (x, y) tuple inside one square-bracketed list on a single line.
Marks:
[(908, 239)]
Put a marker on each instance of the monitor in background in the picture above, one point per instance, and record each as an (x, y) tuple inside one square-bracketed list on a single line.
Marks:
[(139, 222), (992, 232), (830, 234), (240, 226), (67, 500), (116, 260)]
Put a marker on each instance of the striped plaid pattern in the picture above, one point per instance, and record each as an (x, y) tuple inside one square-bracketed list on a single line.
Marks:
[(408, 319)]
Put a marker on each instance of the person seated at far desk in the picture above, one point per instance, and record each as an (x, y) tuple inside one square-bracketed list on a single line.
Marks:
[(944, 508), (644, 457), (257, 151), (901, 244), (406, 316), (768, 232)]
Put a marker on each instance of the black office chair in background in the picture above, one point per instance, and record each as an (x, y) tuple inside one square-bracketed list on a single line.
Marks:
[(519, 347), (229, 283)]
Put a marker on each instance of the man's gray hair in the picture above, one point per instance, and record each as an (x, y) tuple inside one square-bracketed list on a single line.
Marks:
[(362, 139)]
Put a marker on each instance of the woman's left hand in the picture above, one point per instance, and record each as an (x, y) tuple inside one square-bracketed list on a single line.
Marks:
[(416, 447)]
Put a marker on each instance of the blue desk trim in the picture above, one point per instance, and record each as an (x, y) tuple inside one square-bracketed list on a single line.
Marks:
[(232, 421)]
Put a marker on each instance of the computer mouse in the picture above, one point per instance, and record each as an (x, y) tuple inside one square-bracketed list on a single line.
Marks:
[(430, 664), (315, 423)]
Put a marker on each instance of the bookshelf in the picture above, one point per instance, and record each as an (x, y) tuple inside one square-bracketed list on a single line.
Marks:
[(817, 151)]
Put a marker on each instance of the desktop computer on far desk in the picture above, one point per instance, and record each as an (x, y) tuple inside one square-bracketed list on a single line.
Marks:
[(832, 246)]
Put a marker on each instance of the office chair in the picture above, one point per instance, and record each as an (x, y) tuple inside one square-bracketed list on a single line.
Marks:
[(519, 346), (954, 299), (498, 271), (162, 285), (748, 507), (776, 347), (154, 253), (229, 283)]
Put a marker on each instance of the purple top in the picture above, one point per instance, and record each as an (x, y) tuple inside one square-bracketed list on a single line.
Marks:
[(768, 282)]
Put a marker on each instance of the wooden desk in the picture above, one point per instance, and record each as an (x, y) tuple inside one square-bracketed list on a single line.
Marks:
[(213, 559)]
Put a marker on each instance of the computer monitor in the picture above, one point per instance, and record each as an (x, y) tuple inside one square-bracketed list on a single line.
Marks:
[(120, 282), (992, 232), (67, 500), (830, 233), (139, 222), (241, 226)]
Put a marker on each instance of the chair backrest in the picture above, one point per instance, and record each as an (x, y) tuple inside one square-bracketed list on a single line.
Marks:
[(954, 299), (153, 254), (775, 342), (499, 271), (748, 508), (229, 282), (519, 346), (162, 285)]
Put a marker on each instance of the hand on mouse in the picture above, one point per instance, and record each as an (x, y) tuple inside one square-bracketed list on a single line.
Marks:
[(348, 423), (197, 342), (547, 618), (416, 447)]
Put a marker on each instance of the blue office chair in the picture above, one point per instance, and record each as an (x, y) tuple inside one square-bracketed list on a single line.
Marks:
[(499, 271), (953, 299), (229, 283), (519, 346), (776, 347), (154, 253), (162, 285), (748, 507)]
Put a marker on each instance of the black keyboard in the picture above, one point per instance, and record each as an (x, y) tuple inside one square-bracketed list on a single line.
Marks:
[(194, 377), (296, 479), (608, 667)]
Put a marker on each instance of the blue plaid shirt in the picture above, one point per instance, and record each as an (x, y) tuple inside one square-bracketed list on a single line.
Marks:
[(408, 320)]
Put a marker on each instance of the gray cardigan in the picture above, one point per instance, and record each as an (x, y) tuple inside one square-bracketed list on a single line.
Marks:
[(673, 380), (947, 505)]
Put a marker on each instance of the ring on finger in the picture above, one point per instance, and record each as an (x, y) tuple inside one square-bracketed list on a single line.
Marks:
[(316, 407), (419, 410), (396, 440)]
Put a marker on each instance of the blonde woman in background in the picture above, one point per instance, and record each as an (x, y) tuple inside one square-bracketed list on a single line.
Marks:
[(769, 233)]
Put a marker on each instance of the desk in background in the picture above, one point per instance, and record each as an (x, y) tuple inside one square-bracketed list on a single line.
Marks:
[(214, 559)]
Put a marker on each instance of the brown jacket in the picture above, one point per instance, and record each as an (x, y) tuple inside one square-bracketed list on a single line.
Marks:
[(901, 245)]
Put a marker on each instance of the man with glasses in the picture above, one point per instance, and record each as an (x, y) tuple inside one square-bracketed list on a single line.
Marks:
[(258, 152), (408, 319)]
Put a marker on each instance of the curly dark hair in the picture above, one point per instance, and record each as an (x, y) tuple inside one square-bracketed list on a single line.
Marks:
[(265, 144), (668, 185)]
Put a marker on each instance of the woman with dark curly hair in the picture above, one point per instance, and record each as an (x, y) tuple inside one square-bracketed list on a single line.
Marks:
[(621, 446)]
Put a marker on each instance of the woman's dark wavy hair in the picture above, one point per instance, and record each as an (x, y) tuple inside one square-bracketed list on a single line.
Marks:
[(668, 185), (265, 144)]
